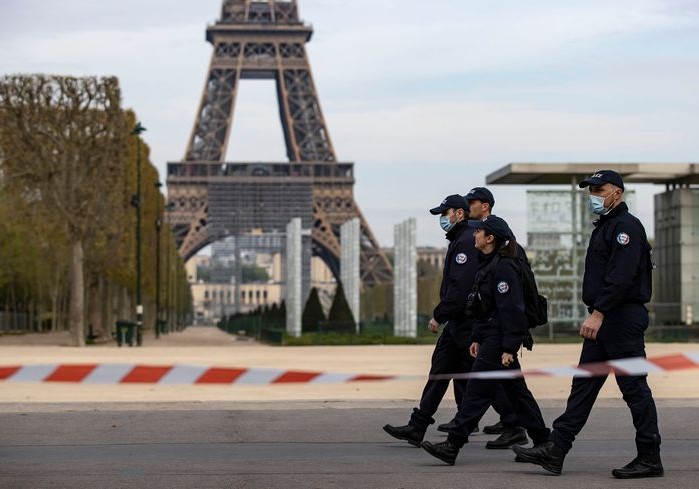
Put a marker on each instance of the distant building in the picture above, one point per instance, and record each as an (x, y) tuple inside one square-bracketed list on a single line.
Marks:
[(676, 291), (217, 292), (432, 256), (192, 266), (215, 301)]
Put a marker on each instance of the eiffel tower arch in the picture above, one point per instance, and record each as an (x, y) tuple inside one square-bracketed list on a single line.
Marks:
[(211, 199)]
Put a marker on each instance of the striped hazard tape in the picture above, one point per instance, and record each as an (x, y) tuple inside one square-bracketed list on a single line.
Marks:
[(622, 367), (174, 375), (202, 375)]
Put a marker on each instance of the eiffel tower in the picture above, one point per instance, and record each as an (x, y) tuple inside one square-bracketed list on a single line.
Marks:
[(210, 199)]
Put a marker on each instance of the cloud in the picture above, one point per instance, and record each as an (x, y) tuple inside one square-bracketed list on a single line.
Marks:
[(32, 19), (452, 38), (479, 131)]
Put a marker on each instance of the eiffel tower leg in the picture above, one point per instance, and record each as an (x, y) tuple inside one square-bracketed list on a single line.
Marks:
[(209, 138), (208, 142), (304, 127), (188, 216), (331, 208)]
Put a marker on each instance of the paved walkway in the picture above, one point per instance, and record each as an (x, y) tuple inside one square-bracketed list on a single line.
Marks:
[(249, 446)]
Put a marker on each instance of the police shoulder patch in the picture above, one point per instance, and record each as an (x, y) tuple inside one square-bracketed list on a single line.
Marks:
[(623, 239), (503, 287), (461, 258)]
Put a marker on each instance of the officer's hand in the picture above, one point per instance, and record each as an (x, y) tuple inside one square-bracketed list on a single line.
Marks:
[(507, 359), (474, 349), (433, 326), (591, 325)]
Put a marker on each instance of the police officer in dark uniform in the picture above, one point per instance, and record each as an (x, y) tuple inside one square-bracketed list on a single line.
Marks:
[(500, 327), (616, 285), (451, 353)]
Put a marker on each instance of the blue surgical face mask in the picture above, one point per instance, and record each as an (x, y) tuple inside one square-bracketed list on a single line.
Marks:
[(596, 203), (445, 223)]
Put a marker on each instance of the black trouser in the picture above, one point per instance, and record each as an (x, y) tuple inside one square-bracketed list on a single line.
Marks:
[(450, 356), (615, 341), (480, 393)]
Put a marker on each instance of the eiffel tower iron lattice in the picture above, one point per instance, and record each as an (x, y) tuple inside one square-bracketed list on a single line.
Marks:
[(211, 199)]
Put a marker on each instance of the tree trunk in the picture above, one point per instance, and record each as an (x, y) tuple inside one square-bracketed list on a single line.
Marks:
[(31, 316), (94, 313), (125, 304), (107, 318), (64, 318), (77, 296), (55, 303)]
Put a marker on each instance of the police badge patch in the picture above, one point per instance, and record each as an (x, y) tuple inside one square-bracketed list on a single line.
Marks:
[(623, 239), (461, 258), (503, 287)]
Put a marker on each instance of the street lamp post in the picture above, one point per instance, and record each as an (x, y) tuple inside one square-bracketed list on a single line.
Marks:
[(175, 296), (158, 226), (169, 208), (137, 130)]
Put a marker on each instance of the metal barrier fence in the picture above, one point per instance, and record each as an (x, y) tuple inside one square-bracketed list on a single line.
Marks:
[(667, 322), (14, 322)]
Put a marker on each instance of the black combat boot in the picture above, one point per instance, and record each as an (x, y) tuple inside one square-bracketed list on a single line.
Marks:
[(521, 460), (548, 455), (447, 427), (641, 466), (445, 451), (494, 429), (408, 433), (512, 436)]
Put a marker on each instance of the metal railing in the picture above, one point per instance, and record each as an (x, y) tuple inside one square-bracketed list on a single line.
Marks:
[(14, 322), (666, 322)]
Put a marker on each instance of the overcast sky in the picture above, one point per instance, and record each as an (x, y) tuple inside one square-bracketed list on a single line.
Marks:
[(426, 98)]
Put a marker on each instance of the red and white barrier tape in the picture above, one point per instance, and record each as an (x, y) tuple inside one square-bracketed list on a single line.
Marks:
[(201, 375), (174, 375), (623, 367)]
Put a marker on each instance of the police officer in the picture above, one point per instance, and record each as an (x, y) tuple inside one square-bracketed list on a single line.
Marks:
[(451, 354), (500, 327), (480, 204), (616, 285)]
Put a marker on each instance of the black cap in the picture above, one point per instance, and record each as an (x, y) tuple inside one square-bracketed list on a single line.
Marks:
[(601, 177), (494, 225), (452, 202), (482, 194)]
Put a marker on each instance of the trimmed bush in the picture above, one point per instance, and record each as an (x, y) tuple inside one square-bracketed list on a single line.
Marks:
[(313, 316), (340, 319)]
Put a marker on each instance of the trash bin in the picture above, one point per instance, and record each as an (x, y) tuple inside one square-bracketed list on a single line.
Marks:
[(125, 332)]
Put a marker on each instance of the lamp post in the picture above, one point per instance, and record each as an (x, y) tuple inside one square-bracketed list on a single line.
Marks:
[(175, 296), (169, 208), (158, 226), (136, 201)]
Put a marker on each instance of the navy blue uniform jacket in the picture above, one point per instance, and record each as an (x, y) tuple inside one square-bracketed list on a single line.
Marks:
[(618, 263), (502, 296), (459, 271)]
